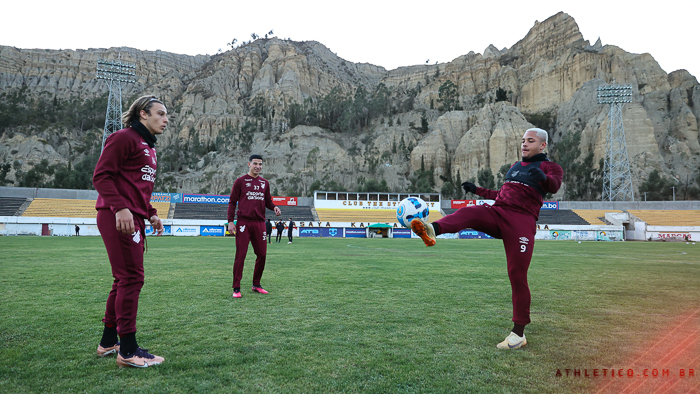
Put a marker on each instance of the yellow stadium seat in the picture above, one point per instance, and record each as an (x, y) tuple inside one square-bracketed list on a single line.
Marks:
[(668, 217), (70, 208), (593, 216)]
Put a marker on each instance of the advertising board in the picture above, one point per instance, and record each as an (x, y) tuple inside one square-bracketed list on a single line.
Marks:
[(167, 230), (331, 232), (401, 233), (473, 234), (355, 233), (211, 231), (284, 201), (185, 231), (309, 232)]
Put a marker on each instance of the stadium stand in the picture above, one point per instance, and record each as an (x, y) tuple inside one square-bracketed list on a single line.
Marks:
[(67, 208), (547, 216), (358, 215), (9, 206), (218, 212), (668, 217), (561, 216), (594, 216), (200, 211)]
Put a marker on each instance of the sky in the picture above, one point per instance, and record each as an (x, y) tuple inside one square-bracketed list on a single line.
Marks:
[(390, 34)]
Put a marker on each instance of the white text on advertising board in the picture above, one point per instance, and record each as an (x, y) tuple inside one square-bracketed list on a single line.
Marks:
[(377, 204)]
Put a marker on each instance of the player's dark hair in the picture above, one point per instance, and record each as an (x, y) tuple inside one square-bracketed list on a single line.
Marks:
[(253, 157), (143, 103)]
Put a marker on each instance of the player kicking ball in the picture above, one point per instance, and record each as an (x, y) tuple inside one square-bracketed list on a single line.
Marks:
[(512, 218)]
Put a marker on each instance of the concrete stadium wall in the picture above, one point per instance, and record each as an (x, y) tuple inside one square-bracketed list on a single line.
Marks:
[(619, 205), (31, 192), (631, 205)]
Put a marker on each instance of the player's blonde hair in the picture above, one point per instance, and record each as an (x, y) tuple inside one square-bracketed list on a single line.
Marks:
[(541, 134), (143, 103)]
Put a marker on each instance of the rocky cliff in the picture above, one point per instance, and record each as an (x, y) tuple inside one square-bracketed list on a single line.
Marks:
[(320, 120)]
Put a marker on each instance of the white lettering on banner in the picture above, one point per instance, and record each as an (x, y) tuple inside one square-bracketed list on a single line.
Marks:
[(356, 204), (205, 199)]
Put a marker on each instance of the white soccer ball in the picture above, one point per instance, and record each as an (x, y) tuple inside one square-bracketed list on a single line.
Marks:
[(411, 208)]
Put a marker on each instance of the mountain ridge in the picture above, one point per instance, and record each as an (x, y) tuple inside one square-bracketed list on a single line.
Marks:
[(284, 98)]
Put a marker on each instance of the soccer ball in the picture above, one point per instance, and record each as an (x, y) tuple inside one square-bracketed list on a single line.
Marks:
[(411, 208)]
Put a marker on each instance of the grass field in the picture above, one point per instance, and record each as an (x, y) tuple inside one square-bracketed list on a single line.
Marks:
[(349, 315)]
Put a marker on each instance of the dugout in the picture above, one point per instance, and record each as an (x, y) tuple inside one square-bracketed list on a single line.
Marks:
[(379, 230)]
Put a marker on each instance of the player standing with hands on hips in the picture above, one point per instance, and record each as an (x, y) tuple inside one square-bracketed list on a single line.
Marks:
[(124, 178), (513, 218), (251, 193)]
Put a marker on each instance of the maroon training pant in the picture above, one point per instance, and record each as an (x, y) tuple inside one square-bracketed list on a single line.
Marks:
[(517, 230), (256, 234), (125, 252)]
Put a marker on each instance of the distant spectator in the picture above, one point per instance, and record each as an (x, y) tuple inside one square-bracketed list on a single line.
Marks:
[(280, 228), (268, 228), (290, 230)]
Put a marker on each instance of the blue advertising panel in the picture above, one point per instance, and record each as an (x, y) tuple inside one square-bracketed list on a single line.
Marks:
[(211, 231), (550, 205), (166, 197), (205, 198), (473, 234), (167, 230), (402, 233), (309, 232), (332, 232), (355, 233)]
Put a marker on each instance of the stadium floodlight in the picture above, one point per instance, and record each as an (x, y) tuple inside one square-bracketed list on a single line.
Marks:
[(617, 179), (115, 72)]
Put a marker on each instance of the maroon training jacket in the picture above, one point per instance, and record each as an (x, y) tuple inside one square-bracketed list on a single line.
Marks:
[(125, 174), (523, 198), (253, 196)]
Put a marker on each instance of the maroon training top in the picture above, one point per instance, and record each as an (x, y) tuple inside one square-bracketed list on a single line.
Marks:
[(253, 196), (125, 174), (519, 196)]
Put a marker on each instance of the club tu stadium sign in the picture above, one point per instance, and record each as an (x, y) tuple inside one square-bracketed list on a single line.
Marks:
[(352, 204)]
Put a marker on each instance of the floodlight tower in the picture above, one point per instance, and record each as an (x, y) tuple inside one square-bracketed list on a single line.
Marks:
[(115, 72), (617, 179)]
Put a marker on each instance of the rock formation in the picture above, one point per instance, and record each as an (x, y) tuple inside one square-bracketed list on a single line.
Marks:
[(241, 101)]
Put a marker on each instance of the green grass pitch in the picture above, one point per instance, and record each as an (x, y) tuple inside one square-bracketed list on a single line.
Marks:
[(354, 315)]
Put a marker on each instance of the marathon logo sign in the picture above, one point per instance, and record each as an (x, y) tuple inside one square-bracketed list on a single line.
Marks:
[(309, 232), (401, 233), (211, 231), (355, 233), (473, 234), (205, 199), (331, 232), (550, 205)]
